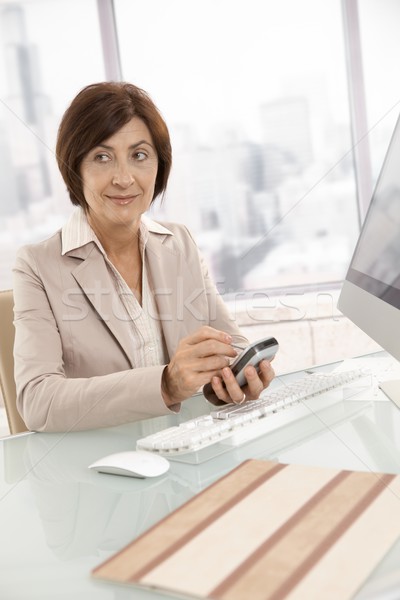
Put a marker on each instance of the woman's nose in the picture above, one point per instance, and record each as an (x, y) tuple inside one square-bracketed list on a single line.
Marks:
[(123, 177)]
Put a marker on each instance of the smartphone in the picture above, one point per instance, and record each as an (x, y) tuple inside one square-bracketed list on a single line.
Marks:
[(253, 354)]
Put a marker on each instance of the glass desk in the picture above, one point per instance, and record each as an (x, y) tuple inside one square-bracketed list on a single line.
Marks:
[(58, 519)]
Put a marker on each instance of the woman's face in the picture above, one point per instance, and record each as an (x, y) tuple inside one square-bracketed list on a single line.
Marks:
[(119, 177)]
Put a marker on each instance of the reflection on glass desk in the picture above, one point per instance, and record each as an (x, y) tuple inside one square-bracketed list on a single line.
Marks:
[(59, 520)]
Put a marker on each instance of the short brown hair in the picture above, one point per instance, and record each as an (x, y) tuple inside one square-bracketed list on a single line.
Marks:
[(95, 114)]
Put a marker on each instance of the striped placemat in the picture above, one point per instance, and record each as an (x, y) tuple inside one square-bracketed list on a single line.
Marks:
[(268, 531)]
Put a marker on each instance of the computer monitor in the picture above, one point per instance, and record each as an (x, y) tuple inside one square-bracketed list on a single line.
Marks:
[(370, 295)]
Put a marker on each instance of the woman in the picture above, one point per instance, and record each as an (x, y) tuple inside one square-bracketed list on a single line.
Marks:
[(116, 316)]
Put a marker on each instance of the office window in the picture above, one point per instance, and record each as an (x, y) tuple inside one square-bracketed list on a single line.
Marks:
[(380, 45), (255, 96), (48, 51)]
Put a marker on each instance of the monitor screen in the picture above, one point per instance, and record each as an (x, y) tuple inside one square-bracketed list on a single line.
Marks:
[(370, 296)]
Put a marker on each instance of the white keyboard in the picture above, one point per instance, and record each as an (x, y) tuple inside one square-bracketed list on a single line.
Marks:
[(237, 423)]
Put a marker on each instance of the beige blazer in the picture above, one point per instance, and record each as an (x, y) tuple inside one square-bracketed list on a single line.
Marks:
[(74, 367)]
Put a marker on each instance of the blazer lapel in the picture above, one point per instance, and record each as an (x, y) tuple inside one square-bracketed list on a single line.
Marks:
[(181, 303), (165, 268), (96, 283)]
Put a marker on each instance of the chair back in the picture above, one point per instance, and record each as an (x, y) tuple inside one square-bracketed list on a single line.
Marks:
[(7, 381)]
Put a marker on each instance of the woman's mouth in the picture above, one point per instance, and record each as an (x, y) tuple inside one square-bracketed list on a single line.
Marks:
[(121, 200)]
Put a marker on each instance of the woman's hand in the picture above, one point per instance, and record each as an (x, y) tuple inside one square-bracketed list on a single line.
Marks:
[(228, 390), (198, 358)]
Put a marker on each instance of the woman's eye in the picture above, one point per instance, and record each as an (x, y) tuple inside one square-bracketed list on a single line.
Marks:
[(140, 155), (101, 157)]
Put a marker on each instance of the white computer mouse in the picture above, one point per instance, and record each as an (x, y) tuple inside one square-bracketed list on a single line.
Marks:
[(132, 463)]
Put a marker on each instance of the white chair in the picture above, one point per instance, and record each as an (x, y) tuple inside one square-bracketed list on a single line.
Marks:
[(7, 382)]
